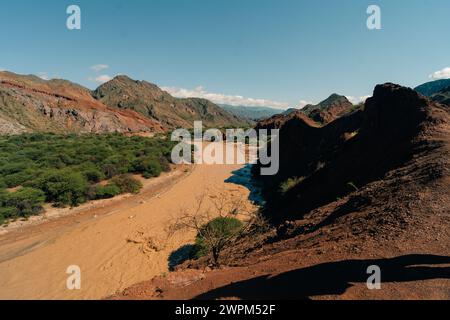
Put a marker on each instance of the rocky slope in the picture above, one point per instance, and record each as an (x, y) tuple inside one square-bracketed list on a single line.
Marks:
[(152, 102), (375, 191), (28, 103)]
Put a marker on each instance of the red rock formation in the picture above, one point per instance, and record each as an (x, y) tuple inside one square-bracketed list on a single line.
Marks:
[(28, 103)]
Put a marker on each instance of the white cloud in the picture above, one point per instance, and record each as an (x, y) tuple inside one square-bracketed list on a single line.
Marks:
[(303, 103), (219, 98), (43, 75), (441, 74), (357, 100), (99, 67), (100, 79)]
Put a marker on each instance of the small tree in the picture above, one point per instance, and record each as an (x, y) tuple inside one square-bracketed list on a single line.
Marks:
[(218, 228), (216, 235)]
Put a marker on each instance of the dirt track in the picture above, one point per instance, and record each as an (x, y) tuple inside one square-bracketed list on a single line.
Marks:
[(115, 244)]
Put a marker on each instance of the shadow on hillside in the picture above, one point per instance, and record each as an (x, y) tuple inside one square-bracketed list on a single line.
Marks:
[(245, 178), (179, 256), (332, 278)]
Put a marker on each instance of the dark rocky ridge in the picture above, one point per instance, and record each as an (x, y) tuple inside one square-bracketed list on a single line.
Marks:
[(350, 152)]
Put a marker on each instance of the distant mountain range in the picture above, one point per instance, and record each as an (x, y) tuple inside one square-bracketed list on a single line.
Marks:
[(438, 91), (430, 88), (251, 112), (29, 103)]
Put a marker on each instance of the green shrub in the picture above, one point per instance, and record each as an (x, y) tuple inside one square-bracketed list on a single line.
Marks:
[(7, 213), (117, 164), (26, 201), (20, 178), (3, 196), (107, 192), (93, 175), (63, 187), (290, 183), (214, 236), (165, 164), (149, 167), (11, 168), (127, 184)]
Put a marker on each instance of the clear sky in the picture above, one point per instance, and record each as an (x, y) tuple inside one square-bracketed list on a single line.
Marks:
[(284, 51)]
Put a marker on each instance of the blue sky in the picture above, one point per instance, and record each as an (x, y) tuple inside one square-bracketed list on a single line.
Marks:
[(283, 51)]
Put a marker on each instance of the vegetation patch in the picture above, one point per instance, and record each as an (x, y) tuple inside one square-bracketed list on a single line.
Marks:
[(290, 183), (66, 170)]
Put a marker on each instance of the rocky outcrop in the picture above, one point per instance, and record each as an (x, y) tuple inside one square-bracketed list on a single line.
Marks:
[(350, 152), (329, 110), (323, 113)]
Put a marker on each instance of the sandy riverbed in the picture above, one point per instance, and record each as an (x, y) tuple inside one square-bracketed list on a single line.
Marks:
[(115, 244)]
